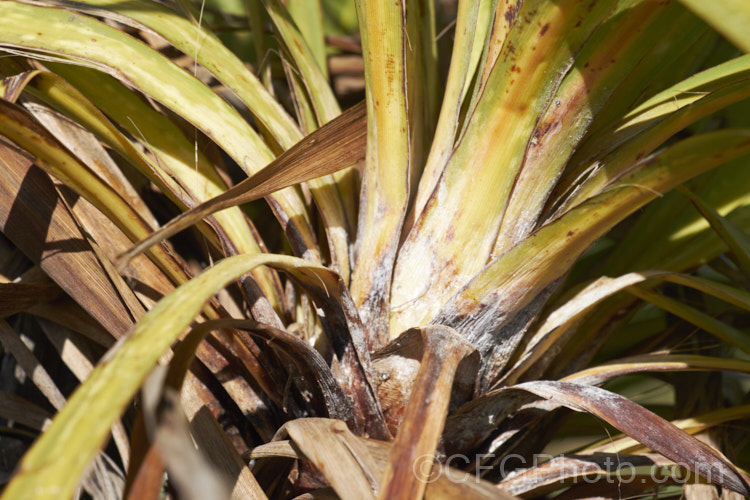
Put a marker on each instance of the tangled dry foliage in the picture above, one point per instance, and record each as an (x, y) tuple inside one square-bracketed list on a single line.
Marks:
[(516, 266)]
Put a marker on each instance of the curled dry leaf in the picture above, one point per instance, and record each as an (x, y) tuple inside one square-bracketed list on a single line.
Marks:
[(646, 427), (558, 471), (327, 442), (417, 440), (29, 200), (309, 363), (337, 145), (469, 425), (693, 425), (349, 342), (365, 459)]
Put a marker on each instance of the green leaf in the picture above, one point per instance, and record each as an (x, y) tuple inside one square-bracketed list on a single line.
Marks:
[(511, 281), (308, 16), (94, 43), (176, 158), (606, 60), (729, 17), (340, 17), (737, 241), (670, 235), (386, 174), (614, 150), (310, 86), (471, 32), (91, 42), (684, 43), (547, 338), (657, 363), (717, 328), (202, 45), (305, 62), (459, 236)]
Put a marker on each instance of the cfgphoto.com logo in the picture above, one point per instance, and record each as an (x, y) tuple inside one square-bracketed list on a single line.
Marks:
[(572, 470)]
